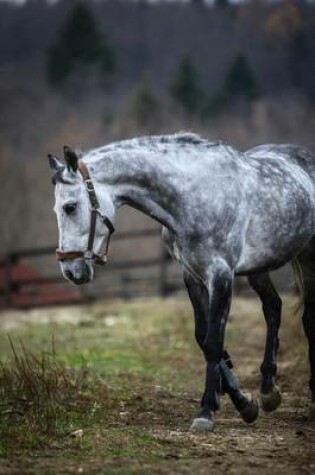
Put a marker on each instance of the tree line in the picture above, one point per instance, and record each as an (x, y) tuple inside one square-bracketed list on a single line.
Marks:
[(82, 44)]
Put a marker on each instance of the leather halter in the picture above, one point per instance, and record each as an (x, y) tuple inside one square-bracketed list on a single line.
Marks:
[(100, 259)]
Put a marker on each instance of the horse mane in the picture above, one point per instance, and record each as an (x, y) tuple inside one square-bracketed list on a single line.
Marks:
[(180, 138), (188, 138), (153, 141)]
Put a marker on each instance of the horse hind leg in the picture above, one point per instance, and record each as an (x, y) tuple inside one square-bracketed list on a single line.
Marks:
[(270, 394), (306, 259)]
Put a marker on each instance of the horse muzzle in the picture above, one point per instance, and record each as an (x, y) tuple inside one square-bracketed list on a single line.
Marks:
[(78, 271), (78, 281)]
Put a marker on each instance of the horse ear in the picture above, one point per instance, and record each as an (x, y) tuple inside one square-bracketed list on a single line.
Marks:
[(54, 163), (71, 158)]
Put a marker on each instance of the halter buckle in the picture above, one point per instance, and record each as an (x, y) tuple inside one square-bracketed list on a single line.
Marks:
[(89, 185), (89, 255), (99, 212), (100, 260)]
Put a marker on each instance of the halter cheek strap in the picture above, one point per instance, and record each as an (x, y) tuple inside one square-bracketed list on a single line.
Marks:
[(100, 259)]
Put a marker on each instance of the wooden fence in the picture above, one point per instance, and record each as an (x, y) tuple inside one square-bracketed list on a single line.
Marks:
[(23, 284)]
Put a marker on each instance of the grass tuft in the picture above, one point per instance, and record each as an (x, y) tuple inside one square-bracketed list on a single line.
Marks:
[(39, 390)]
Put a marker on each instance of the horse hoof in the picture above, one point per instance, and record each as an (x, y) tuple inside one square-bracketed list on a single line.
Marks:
[(250, 412), (272, 400), (201, 424), (311, 411)]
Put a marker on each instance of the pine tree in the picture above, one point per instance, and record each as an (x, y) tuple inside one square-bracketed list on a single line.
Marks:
[(186, 88), (80, 42), (240, 80)]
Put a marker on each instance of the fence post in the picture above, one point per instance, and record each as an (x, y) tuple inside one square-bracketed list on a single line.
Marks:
[(126, 293), (8, 280)]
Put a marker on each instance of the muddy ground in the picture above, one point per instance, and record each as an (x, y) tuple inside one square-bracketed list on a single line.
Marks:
[(144, 354)]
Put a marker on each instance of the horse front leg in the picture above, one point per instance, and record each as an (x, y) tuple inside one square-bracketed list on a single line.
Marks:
[(270, 394), (219, 289), (247, 406)]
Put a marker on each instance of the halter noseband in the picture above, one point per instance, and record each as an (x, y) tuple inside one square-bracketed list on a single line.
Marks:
[(100, 259)]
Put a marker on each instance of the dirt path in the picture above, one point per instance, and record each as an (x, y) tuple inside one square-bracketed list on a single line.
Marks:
[(146, 433)]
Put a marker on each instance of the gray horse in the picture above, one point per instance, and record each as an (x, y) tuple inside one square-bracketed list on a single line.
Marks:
[(224, 213)]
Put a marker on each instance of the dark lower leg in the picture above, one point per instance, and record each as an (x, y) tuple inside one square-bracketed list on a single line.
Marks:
[(211, 400), (247, 407), (229, 383), (271, 304), (219, 298), (231, 386)]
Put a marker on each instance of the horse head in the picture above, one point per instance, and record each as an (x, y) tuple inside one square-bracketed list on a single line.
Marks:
[(82, 216)]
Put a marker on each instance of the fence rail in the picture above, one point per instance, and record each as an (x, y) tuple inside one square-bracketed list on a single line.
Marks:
[(32, 288)]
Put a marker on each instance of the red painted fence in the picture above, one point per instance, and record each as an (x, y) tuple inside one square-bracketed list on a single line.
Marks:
[(22, 284)]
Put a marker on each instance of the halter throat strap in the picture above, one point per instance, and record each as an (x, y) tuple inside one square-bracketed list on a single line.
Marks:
[(95, 212)]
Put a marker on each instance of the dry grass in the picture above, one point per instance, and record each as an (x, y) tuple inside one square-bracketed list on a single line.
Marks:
[(39, 390)]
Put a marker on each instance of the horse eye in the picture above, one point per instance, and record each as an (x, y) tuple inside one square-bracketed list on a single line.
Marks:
[(69, 208)]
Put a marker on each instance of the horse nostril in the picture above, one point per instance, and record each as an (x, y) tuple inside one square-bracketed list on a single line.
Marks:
[(69, 274)]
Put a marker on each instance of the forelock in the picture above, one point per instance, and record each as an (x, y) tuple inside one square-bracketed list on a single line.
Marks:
[(58, 177)]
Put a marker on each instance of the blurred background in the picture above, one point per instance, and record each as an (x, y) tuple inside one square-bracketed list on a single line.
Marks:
[(86, 73)]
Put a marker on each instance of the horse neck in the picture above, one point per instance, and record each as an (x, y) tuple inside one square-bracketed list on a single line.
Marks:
[(144, 181)]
